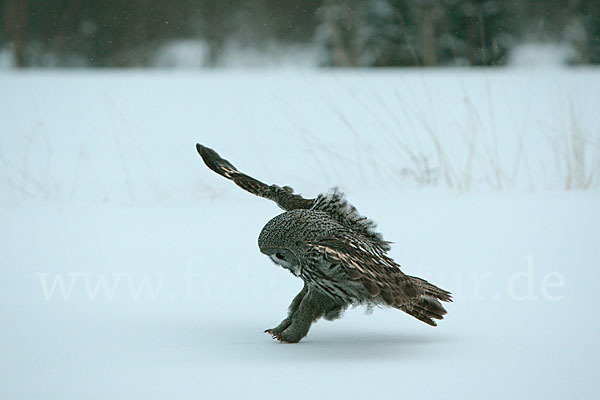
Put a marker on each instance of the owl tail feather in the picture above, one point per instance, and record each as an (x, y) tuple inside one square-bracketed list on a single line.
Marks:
[(431, 290), (427, 307)]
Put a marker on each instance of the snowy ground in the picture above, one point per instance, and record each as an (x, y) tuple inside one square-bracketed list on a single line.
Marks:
[(130, 270)]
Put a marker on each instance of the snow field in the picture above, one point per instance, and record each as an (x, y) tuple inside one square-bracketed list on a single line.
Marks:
[(164, 292)]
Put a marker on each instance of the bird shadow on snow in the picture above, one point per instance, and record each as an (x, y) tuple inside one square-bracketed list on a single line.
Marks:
[(241, 341), (363, 345)]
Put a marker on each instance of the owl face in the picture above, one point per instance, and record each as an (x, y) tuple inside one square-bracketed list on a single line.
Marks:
[(284, 258)]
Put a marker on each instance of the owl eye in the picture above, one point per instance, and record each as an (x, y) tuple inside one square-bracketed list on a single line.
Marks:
[(279, 256)]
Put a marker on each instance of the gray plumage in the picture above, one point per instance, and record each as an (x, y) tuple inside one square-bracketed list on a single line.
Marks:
[(338, 254)]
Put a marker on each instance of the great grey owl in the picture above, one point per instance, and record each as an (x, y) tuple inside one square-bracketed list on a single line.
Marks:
[(338, 254)]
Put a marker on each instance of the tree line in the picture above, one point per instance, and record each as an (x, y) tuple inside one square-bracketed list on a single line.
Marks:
[(345, 33)]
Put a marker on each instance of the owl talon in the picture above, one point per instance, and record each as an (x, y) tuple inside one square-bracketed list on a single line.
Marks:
[(276, 335)]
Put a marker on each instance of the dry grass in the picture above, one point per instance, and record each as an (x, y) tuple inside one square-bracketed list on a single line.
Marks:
[(577, 155), (418, 152), (475, 158)]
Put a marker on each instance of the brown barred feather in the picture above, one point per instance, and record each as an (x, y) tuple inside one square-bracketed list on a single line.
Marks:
[(335, 204), (382, 277)]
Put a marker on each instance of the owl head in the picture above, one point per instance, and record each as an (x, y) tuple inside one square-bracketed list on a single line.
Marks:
[(284, 237)]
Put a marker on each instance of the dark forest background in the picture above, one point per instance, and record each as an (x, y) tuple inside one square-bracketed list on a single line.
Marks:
[(345, 33)]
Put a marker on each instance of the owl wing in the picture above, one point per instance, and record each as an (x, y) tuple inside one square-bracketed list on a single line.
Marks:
[(335, 204), (283, 196), (368, 264)]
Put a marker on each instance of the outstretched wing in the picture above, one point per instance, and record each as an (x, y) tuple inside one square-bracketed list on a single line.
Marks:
[(381, 276), (283, 196)]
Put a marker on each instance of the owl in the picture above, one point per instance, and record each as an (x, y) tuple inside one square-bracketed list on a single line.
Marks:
[(336, 252)]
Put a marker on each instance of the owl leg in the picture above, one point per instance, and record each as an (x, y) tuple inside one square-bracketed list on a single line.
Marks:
[(291, 311), (313, 306)]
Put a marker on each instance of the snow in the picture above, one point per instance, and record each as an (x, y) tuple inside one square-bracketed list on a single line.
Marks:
[(165, 293), (194, 54), (542, 55), (184, 54), (6, 59), (270, 55)]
